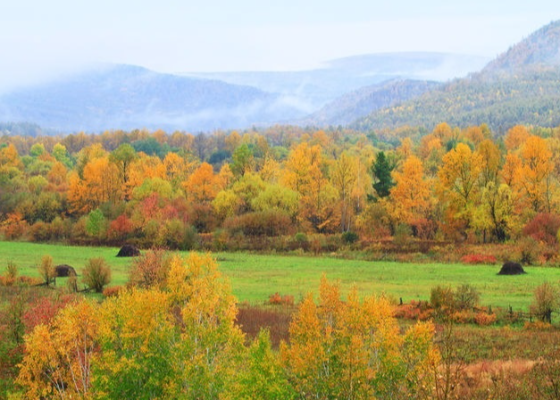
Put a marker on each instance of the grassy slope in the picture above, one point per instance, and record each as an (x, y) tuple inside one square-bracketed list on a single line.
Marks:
[(255, 277)]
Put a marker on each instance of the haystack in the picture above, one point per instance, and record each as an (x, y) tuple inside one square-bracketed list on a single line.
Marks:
[(64, 270), (511, 268), (128, 251)]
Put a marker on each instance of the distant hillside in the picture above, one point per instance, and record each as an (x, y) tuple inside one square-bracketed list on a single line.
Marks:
[(23, 129), (522, 86), (128, 97), (540, 49), (354, 105), (313, 89)]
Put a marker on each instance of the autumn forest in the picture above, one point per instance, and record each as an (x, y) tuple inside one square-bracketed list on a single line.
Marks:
[(181, 191)]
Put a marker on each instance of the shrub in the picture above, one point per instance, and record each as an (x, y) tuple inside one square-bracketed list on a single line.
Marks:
[(96, 274), (484, 319), (466, 297), (543, 228), (47, 270), (462, 317), (150, 269), (537, 326), (11, 275), (120, 227), (442, 298), (528, 250), (112, 291), (350, 237), (278, 299), (72, 283), (300, 237), (545, 302), (262, 223), (478, 259), (402, 236)]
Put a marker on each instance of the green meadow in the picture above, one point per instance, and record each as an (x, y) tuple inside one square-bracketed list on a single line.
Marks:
[(255, 277)]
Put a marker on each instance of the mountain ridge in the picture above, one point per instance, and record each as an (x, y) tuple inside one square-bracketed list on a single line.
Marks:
[(521, 86)]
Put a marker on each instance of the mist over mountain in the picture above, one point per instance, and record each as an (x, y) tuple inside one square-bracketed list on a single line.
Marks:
[(521, 86), (313, 89), (129, 97), (356, 104)]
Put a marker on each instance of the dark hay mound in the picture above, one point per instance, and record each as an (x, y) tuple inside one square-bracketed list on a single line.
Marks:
[(64, 270), (128, 251), (511, 268)]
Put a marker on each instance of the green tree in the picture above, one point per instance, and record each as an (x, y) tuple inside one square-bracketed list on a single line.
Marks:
[(242, 160), (381, 170), (95, 223)]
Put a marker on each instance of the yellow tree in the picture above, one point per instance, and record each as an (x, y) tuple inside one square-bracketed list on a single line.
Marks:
[(516, 137), (202, 186), (9, 157), (490, 157), (145, 167), (458, 177), (411, 194), (59, 357), (343, 177), (535, 172), (354, 349), (303, 173), (136, 341), (205, 359), (100, 184)]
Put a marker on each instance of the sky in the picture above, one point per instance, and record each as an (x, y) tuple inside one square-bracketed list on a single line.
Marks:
[(43, 39)]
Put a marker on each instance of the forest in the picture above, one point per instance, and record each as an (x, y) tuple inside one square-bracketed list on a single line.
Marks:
[(288, 188)]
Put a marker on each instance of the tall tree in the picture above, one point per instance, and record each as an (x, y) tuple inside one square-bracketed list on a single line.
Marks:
[(123, 158), (381, 170)]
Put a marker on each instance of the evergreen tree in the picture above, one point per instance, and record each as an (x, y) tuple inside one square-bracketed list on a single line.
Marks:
[(381, 170)]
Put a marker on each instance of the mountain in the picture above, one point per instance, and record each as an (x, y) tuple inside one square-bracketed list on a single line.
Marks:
[(540, 50), (356, 104), (313, 89), (521, 86), (128, 97)]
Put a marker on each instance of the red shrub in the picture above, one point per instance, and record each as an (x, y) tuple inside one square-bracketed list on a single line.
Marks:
[(484, 319), (277, 298), (43, 310), (121, 227), (478, 259), (112, 291), (543, 228)]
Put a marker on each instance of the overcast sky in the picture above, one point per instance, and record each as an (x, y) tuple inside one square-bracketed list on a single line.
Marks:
[(39, 38)]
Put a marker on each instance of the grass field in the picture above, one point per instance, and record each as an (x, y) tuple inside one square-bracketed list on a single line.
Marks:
[(254, 277)]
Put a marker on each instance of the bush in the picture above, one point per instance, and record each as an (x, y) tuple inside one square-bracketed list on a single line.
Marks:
[(442, 298), (112, 291), (150, 269), (484, 319), (402, 236), (96, 274), (466, 297), (278, 299), (528, 250), (350, 237), (543, 228), (545, 302), (47, 270), (262, 223), (479, 259)]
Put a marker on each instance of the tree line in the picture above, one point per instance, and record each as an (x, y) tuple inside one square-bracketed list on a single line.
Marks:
[(179, 190)]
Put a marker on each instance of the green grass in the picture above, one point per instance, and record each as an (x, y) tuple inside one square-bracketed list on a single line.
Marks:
[(254, 277)]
